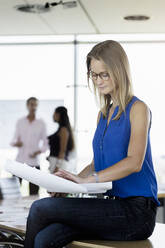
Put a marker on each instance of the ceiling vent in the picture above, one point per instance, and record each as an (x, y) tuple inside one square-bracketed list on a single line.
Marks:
[(136, 18)]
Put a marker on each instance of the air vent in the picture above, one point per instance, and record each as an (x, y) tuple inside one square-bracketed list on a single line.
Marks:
[(136, 18), (32, 8)]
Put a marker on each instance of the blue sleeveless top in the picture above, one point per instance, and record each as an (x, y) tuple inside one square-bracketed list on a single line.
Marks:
[(110, 145)]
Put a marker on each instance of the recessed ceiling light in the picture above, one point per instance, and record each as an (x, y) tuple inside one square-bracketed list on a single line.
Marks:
[(136, 18), (32, 8)]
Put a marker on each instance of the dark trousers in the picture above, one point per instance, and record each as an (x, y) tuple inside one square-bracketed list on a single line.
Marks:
[(55, 222), (33, 189)]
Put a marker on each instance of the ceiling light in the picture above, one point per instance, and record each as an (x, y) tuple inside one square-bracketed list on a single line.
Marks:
[(42, 8), (32, 8), (66, 5), (136, 18)]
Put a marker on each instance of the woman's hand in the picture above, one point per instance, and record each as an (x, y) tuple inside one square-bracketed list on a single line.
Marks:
[(69, 176)]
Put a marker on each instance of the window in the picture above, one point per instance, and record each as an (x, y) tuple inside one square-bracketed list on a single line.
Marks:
[(40, 70)]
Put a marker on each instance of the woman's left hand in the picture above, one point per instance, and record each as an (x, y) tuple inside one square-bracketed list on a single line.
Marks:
[(69, 176)]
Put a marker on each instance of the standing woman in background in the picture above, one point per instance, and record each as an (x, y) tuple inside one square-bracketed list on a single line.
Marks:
[(122, 154), (61, 143)]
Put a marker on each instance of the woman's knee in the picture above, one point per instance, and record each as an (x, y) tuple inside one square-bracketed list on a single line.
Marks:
[(37, 209)]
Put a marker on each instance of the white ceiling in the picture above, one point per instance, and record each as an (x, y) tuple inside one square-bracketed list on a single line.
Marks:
[(89, 17)]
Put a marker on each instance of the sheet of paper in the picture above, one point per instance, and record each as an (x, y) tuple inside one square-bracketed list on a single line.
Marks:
[(97, 187), (43, 179), (51, 182)]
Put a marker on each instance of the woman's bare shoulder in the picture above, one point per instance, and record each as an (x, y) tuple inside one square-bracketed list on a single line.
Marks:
[(139, 106), (63, 130), (139, 110)]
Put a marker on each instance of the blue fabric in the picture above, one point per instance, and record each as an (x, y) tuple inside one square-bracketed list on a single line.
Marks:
[(110, 145)]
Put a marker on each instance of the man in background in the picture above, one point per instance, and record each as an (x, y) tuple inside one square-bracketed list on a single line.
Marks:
[(29, 134)]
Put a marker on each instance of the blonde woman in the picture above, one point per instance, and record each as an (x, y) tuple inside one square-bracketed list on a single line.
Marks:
[(122, 154)]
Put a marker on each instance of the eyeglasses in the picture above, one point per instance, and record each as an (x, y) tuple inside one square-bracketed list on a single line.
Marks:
[(94, 76)]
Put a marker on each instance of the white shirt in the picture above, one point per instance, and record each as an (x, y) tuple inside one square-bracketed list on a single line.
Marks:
[(31, 134)]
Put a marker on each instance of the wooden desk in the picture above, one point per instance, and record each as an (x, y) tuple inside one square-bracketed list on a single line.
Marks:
[(13, 215), (157, 240)]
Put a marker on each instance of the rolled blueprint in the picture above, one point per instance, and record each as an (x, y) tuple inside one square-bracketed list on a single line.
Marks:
[(51, 182), (43, 179)]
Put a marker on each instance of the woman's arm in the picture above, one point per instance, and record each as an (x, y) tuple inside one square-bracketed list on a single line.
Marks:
[(89, 169), (140, 121), (64, 135)]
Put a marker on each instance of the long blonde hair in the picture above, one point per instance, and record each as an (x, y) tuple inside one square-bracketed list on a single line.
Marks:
[(114, 57)]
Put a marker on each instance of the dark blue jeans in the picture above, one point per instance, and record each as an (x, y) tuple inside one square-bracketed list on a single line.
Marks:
[(55, 222)]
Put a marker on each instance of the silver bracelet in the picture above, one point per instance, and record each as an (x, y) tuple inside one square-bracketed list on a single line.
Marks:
[(96, 177)]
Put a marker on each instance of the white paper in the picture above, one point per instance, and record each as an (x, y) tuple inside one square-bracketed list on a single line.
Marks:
[(51, 182), (97, 187)]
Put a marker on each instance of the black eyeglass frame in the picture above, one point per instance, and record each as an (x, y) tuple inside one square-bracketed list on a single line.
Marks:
[(94, 76)]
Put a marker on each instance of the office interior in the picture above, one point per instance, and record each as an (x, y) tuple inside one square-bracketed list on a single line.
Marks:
[(43, 54)]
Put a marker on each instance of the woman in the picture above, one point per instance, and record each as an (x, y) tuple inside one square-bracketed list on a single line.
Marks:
[(61, 142), (122, 154)]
